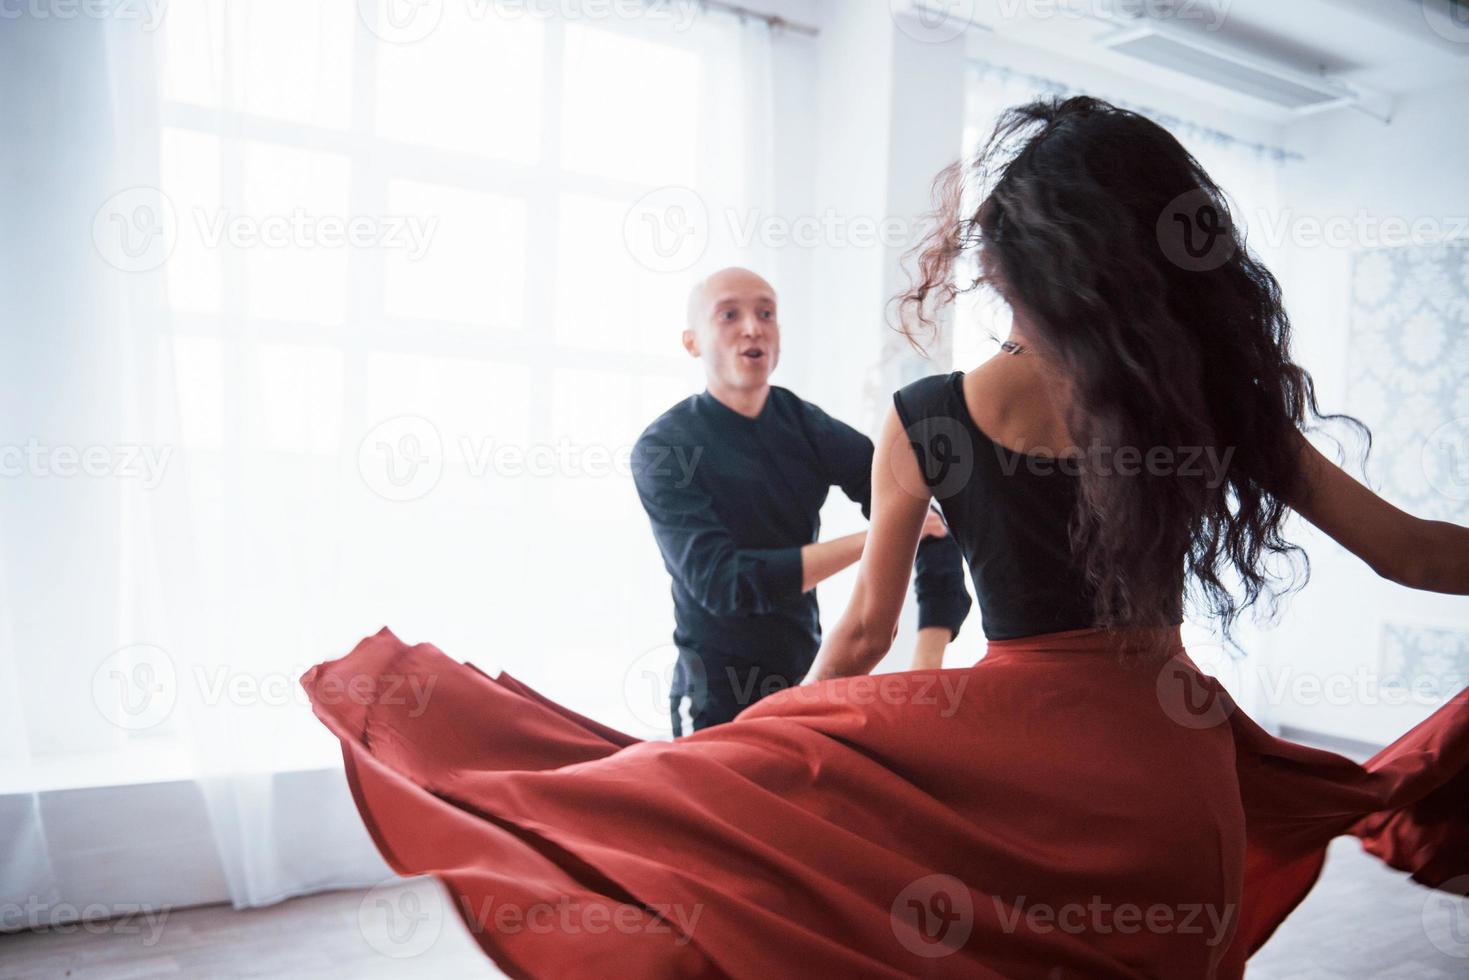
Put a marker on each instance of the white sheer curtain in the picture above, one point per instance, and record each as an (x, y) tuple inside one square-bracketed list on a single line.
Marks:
[(1249, 173), (364, 312)]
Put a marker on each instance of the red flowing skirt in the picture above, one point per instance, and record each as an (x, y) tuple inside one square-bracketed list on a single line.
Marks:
[(1058, 810)]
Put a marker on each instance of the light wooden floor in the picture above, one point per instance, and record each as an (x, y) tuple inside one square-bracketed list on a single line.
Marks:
[(332, 936), (1362, 921)]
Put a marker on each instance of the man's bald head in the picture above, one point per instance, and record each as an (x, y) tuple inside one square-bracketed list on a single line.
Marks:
[(732, 328), (731, 282)]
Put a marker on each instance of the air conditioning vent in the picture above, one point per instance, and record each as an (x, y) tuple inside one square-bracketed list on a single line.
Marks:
[(1280, 86)]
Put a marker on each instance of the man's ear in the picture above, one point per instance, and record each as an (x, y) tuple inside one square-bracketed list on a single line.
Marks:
[(689, 344)]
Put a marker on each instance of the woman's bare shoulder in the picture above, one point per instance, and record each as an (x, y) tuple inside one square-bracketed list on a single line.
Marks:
[(1014, 401)]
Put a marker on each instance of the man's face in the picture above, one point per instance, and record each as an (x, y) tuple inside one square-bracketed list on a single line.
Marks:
[(735, 331)]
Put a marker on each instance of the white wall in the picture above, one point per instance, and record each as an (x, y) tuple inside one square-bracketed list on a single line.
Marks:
[(889, 117), (795, 142), (852, 96), (1409, 170)]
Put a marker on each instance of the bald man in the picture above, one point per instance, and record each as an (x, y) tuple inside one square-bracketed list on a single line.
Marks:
[(733, 480)]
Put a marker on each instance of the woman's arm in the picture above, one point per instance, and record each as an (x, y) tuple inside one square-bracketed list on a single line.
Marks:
[(1428, 555), (866, 630), (928, 649)]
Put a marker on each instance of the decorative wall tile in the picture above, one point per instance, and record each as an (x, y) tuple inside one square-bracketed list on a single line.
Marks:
[(1408, 373), (1430, 660)]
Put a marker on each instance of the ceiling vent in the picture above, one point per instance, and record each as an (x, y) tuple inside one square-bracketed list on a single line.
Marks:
[(1297, 91)]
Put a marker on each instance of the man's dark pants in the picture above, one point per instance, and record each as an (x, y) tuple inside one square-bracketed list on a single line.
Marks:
[(717, 688)]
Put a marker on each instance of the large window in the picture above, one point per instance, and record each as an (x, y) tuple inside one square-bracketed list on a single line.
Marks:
[(420, 289)]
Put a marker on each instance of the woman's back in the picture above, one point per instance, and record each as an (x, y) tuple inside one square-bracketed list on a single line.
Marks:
[(994, 452), (1013, 399)]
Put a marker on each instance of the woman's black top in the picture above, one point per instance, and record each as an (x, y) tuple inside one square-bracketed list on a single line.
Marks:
[(1008, 511)]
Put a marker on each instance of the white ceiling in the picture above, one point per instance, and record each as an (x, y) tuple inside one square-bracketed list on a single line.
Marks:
[(1391, 47)]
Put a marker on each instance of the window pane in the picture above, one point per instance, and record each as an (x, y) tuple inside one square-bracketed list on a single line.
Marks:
[(457, 536), (288, 59), (472, 267), (473, 84), (294, 269), (198, 374), (658, 393), (446, 430), (594, 424), (631, 108), (467, 401), (192, 48), (606, 299), (293, 59), (189, 165), (301, 398)]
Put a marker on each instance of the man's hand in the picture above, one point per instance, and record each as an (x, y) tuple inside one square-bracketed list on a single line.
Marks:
[(933, 525), (820, 560)]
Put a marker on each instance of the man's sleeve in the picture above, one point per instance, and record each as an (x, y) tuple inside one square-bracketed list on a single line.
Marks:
[(698, 550), (939, 584), (846, 456)]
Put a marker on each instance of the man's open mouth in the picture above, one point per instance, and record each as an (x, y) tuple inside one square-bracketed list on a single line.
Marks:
[(753, 354)]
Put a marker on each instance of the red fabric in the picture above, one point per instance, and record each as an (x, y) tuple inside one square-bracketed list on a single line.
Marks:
[(1055, 811)]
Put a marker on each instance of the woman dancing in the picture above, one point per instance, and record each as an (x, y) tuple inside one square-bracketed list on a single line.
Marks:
[(1083, 802)]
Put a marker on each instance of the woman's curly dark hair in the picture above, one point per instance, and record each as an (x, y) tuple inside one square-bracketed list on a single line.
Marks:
[(1138, 289)]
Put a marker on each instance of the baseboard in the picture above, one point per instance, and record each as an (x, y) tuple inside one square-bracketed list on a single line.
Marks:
[(108, 851), (1354, 749)]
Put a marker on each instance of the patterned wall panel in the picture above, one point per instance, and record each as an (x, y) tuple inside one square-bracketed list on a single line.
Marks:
[(1408, 373), (1408, 379), (1429, 662)]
